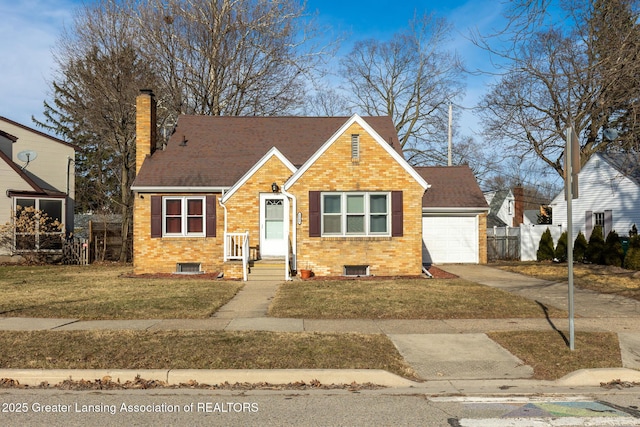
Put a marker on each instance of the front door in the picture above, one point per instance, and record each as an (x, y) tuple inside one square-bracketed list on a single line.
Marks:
[(273, 221)]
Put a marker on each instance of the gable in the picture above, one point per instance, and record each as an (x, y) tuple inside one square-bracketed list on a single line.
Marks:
[(271, 161), (372, 148)]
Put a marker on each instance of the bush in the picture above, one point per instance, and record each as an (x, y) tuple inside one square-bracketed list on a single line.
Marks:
[(613, 253), (561, 248), (632, 260), (595, 247), (545, 248), (579, 247)]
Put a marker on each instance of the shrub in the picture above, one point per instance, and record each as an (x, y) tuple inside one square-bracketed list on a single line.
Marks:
[(545, 248), (593, 254), (613, 253), (561, 248), (579, 247), (632, 259)]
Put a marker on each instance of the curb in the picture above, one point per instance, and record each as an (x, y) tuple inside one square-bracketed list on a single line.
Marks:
[(35, 377), (592, 377)]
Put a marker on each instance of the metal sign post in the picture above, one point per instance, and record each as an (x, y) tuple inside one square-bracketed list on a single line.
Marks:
[(571, 169)]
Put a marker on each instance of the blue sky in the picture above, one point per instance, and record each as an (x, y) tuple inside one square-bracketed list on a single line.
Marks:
[(31, 28)]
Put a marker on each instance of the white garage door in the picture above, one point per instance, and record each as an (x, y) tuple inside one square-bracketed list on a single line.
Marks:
[(450, 239)]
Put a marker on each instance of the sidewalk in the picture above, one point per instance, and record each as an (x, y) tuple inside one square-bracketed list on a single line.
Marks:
[(438, 350)]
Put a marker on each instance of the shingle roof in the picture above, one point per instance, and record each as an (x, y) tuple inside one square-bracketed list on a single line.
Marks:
[(627, 163), (451, 187), (219, 150)]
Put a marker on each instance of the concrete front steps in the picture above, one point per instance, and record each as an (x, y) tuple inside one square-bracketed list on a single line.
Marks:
[(266, 270)]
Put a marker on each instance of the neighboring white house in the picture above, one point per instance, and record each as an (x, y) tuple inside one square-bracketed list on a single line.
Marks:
[(609, 196), (502, 209), (36, 170)]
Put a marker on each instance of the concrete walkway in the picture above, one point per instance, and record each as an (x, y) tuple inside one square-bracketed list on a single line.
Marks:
[(438, 350)]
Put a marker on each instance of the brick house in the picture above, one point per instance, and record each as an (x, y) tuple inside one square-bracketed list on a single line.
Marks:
[(330, 194)]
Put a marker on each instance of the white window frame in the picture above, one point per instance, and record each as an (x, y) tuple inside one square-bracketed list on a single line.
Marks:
[(37, 233), (184, 216), (598, 219), (367, 213)]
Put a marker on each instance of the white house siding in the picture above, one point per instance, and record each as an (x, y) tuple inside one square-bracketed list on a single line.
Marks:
[(601, 187), (450, 239), (50, 166), (51, 169)]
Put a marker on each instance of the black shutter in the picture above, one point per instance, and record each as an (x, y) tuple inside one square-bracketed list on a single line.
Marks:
[(397, 217), (156, 216), (314, 214), (211, 216), (588, 224)]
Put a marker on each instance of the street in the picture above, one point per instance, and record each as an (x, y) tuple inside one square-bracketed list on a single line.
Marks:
[(405, 407)]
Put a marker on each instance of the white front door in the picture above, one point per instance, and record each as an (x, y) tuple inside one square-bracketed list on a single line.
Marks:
[(273, 225)]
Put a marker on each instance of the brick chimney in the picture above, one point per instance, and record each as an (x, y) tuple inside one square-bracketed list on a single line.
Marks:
[(145, 126), (518, 195)]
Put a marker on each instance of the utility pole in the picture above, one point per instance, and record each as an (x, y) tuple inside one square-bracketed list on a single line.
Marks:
[(450, 134)]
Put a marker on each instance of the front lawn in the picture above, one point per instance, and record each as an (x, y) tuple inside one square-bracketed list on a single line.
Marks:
[(400, 299), (198, 350), (107, 292)]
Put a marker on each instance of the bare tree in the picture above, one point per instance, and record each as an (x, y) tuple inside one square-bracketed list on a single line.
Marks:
[(412, 78), (230, 57), (100, 73), (581, 71)]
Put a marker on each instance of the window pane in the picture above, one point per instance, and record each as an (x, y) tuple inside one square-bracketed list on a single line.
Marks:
[(355, 224), (174, 225), (332, 203), (332, 224), (194, 225), (378, 203), (26, 203), (274, 209), (274, 229), (53, 209), (378, 223), (194, 207), (173, 207), (355, 204)]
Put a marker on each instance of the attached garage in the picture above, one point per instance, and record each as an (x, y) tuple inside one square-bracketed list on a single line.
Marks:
[(450, 239), (454, 216)]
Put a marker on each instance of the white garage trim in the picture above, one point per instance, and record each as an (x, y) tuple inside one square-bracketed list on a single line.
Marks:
[(450, 238)]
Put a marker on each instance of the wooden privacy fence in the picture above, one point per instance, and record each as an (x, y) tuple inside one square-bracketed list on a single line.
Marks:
[(75, 251), (503, 243)]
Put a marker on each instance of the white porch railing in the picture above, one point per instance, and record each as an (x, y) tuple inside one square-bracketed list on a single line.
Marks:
[(236, 246)]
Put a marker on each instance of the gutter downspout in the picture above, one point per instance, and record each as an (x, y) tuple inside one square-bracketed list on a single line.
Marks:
[(294, 237), (225, 249)]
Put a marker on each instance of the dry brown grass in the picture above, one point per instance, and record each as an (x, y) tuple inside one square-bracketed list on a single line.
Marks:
[(107, 292), (198, 350), (400, 299), (549, 355), (599, 278)]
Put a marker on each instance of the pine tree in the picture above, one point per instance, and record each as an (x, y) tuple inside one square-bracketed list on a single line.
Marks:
[(545, 248), (593, 254), (579, 247), (632, 259), (561, 248), (613, 253)]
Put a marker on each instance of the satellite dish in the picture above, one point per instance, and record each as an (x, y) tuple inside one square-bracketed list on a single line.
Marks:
[(610, 134), (27, 155)]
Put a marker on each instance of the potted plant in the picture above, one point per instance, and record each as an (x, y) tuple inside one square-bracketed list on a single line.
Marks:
[(306, 273)]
